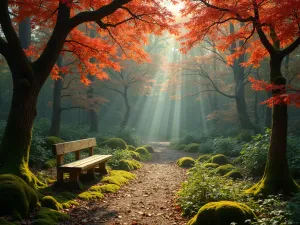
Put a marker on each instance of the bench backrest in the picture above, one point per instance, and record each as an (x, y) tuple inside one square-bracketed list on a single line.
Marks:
[(73, 146)]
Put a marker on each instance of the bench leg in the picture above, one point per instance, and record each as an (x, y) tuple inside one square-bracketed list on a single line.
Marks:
[(60, 176), (102, 169)]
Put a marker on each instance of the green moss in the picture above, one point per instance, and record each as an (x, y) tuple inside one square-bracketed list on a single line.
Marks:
[(238, 160), (222, 170), (131, 147), (223, 213), (90, 195), (47, 216), (210, 165), (186, 162), (66, 199), (51, 163), (144, 154), (17, 198), (234, 175), (194, 147), (50, 202), (149, 148), (5, 222), (53, 140), (219, 159), (115, 143), (106, 188), (135, 155), (118, 177), (203, 158), (128, 165)]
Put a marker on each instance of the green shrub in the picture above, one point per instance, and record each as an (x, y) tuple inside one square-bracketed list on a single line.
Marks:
[(194, 147), (226, 146), (52, 140), (144, 154), (207, 147), (210, 165), (181, 147), (293, 206), (149, 148), (234, 175), (51, 163), (203, 187), (223, 213), (203, 158), (219, 159), (38, 153), (135, 155), (17, 198), (128, 165), (186, 162), (131, 147), (222, 170), (115, 143), (245, 135), (129, 137), (117, 156)]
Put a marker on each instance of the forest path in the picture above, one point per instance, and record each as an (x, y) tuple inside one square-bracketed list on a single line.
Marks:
[(148, 200)]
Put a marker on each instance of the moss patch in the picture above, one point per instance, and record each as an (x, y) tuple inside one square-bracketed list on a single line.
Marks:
[(17, 198), (90, 195), (222, 170), (234, 175), (210, 165), (194, 147), (128, 165), (49, 216), (115, 143), (106, 188), (203, 158), (118, 177), (50, 202), (223, 213), (219, 159), (186, 162), (144, 154), (131, 147), (149, 148)]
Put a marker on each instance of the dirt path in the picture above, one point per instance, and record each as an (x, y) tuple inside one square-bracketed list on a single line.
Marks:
[(148, 200)]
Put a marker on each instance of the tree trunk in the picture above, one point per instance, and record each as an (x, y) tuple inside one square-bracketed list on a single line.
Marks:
[(268, 113), (15, 146), (277, 177), (56, 107), (127, 112)]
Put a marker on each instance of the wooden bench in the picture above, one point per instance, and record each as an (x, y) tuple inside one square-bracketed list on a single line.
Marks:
[(91, 164)]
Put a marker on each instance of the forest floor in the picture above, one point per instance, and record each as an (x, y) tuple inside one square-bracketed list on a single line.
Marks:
[(147, 200)]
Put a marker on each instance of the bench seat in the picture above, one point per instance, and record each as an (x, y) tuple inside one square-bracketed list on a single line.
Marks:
[(85, 164)]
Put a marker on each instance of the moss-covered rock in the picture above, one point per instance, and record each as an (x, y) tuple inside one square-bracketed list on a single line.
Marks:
[(210, 165), (118, 177), (144, 154), (194, 147), (90, 195), (106, 188), (51, 140), (115, 143), (234, 175), (131, 147), (222, 170), (223, 213), (219, 159), (135, 155), (51, 202), (128, 165), (51, 163), (203, 158), (16, 197), (149, 148), (186, 162), (46, 216)]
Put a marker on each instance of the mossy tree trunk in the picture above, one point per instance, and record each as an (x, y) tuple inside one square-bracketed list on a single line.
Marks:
[(268, 113), (277, 177)]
